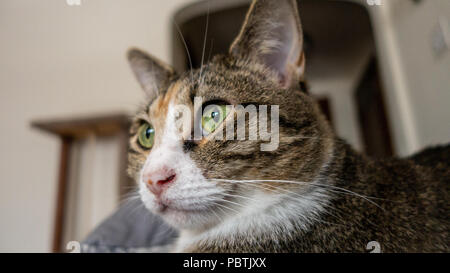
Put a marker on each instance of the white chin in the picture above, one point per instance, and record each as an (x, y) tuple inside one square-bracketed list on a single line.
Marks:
[(186, 219)]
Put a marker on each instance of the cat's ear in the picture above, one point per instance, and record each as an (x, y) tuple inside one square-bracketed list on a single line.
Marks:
[(152, 74), (272, 35)]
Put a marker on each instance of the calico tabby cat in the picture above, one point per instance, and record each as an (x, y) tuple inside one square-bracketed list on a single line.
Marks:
[(313, 193)]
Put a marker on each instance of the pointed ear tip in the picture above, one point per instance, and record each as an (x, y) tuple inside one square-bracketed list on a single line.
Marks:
[(133, 53)]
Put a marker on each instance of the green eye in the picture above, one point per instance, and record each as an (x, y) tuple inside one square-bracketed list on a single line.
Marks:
[(146, 136), (212, 117)]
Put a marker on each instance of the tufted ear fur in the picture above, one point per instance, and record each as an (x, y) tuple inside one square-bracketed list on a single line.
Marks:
[(272, 35), (152, 74)]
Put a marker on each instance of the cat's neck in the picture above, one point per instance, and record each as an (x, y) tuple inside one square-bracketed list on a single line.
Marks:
[(277, 220)]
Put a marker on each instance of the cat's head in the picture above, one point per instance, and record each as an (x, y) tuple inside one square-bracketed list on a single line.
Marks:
[(189, 176)]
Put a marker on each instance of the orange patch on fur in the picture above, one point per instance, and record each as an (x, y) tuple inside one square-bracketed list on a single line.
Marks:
[(159, 108), (163, 104), (202, 142), (149, 182)]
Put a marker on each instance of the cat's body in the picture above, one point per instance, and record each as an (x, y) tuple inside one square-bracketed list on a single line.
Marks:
[(312, 193), (410, 213)]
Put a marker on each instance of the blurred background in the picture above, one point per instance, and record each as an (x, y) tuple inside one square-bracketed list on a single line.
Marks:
[(379, 68)]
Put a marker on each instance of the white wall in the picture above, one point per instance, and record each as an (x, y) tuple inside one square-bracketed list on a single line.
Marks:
[(57, 61), (427, 75), (417, 83)]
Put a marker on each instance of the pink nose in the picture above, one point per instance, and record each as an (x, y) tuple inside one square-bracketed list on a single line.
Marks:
[(159, 180)]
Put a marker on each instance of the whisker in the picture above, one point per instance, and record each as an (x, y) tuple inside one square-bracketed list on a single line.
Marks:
[(204, 45), (136, 209), (218, 218), (223, 206), (325, 204), (185, 47), (288, 194), (240, 196), (163, 228), (231, 202), (210, 49), (128, 197), (224, 212), (301, 183)]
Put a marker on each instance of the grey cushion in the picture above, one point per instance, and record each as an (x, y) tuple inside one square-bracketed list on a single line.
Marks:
[(132, 228)]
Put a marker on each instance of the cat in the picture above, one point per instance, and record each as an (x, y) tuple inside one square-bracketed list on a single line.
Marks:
[(312, 193)]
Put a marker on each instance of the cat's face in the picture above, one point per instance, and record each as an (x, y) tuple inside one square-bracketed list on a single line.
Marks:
[(195, 181)]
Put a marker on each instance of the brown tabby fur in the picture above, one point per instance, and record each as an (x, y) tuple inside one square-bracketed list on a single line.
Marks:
[(401, 203)]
